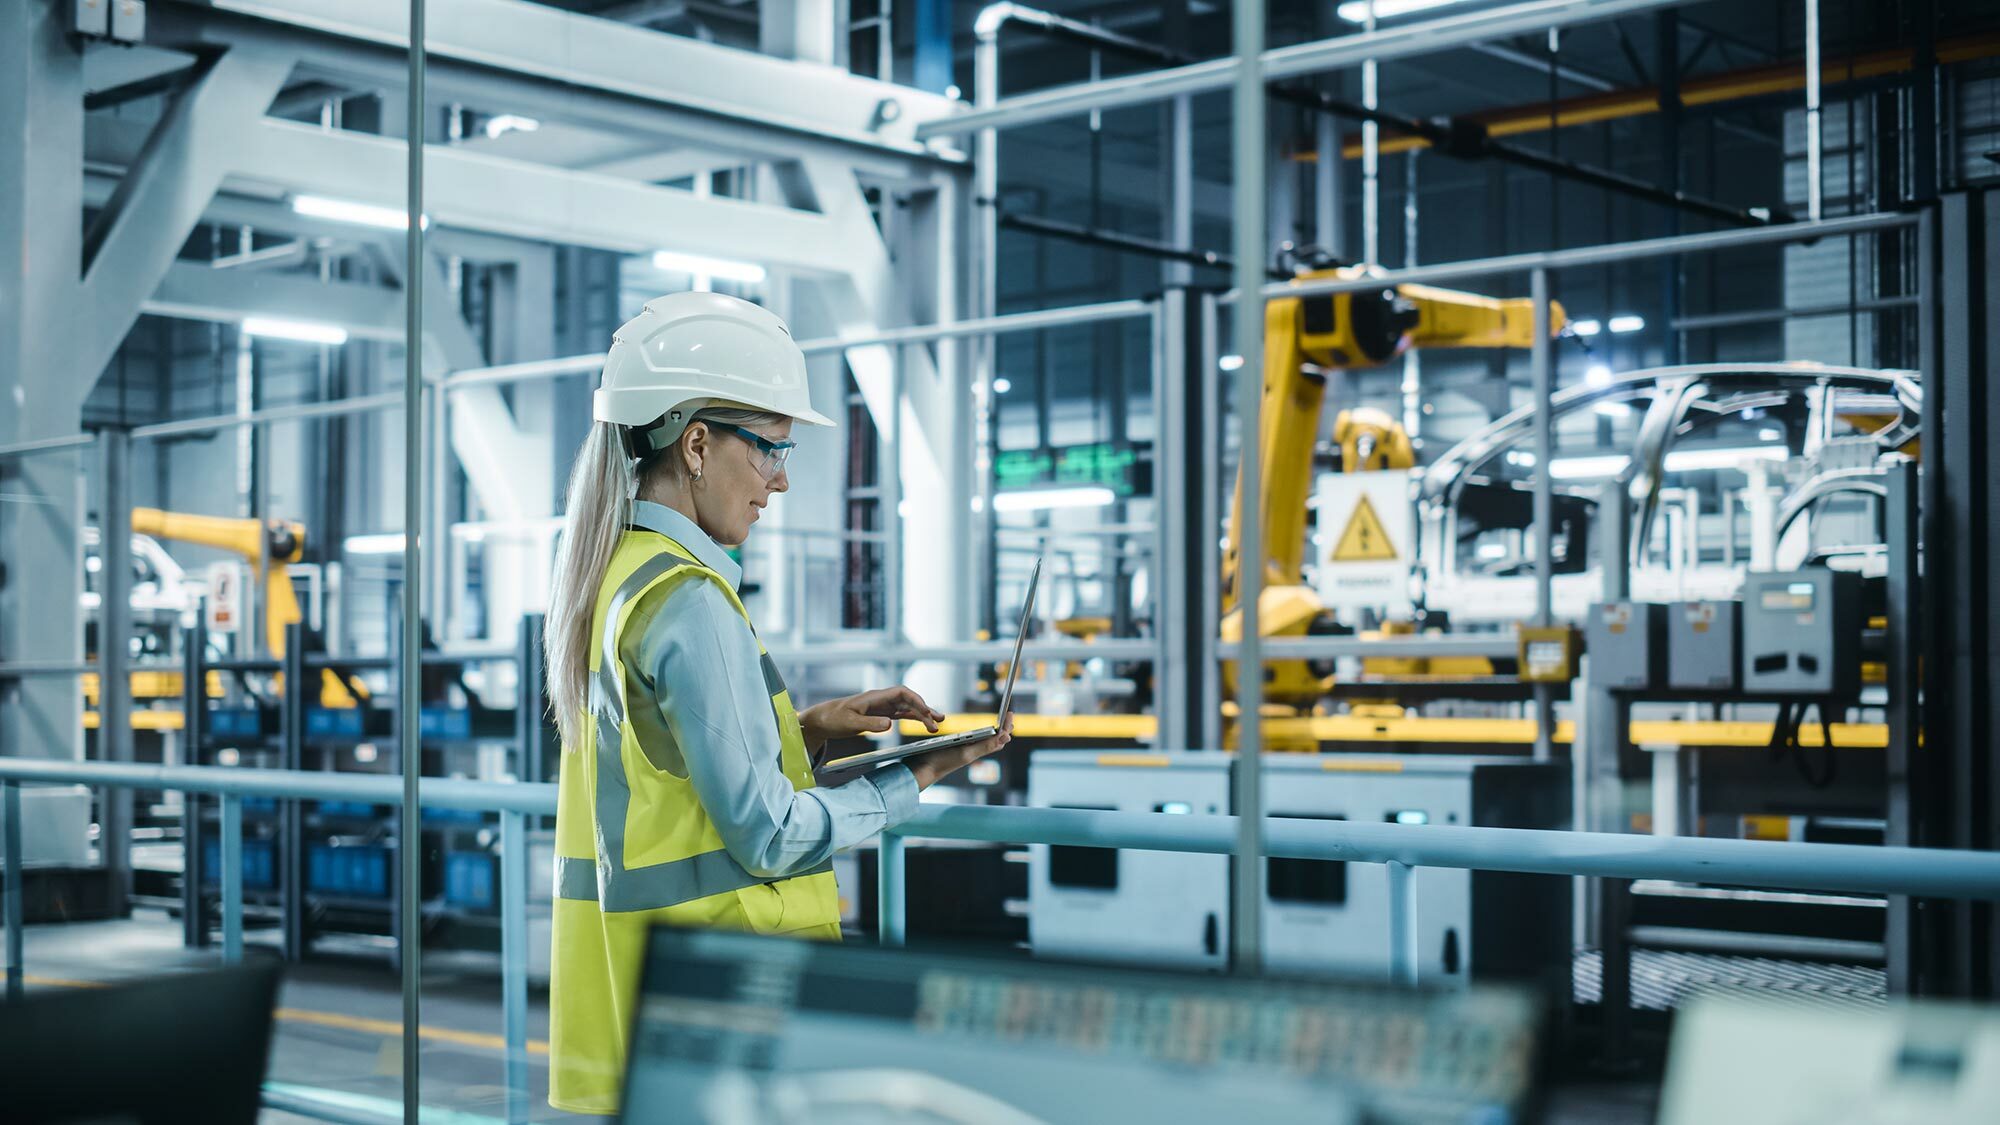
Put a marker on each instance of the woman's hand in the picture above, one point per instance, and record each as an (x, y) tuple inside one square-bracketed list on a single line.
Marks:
[(870, 712), (939, 764)]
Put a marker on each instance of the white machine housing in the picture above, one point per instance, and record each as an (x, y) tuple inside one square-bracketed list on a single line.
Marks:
[(1320, 917)]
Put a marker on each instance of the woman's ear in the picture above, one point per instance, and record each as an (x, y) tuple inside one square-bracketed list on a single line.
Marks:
[(694, 447)]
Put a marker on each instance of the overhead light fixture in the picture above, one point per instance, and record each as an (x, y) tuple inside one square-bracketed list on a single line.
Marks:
[(1520, 457), (1615, 409), (390, 543), (1231, 363), (1627, 323), (510, 123), (1043, 499), (1356, 11), (1002, 385), (303, 331), (1492, 550), (347, 211), (1769, 435), (1692, 460), (1587, 468), (1585, 328), (1679, 461), (1597, 375), (749, 273)]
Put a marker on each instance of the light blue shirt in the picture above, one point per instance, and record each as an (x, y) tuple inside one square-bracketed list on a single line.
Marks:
[(711, 722)]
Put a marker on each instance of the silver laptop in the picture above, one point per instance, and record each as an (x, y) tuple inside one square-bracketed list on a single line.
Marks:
[(947, 741)]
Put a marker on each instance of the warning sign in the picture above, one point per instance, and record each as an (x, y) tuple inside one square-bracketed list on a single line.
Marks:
[(1364, 540)]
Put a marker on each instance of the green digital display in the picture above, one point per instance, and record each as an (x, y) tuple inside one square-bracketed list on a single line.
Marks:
[(1118, 468)]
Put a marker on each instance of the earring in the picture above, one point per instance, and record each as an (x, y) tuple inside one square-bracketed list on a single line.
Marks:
[(697, 475)]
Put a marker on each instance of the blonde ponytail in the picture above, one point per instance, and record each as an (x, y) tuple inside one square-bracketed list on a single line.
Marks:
[(598, 508)]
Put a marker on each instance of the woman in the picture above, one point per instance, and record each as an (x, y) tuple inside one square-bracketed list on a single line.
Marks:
[(687, 791)]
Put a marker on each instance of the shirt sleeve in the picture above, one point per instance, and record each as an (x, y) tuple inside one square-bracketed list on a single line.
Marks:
[(708, 679)]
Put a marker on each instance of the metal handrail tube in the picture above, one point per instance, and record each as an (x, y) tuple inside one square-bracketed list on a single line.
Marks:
[(21, 669), (1928, 872), (1584, 256), (969, 652), (535, 799), (1503, 645), (989, 325), (1419, 38), (45, 445)]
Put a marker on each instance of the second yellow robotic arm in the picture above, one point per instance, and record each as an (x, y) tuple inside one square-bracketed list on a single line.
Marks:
[(267, 547)]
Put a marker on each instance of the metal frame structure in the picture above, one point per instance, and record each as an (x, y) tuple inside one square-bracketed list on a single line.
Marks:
[(1931, 873), (197, 161)]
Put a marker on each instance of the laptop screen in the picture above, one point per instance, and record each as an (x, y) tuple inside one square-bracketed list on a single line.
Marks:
[(742, 1028)]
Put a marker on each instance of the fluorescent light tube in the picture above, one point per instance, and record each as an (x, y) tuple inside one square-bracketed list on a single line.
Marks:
[(346, 211), (1679, 461), (303, 331), (1040, 499), (1627, 323), (1597, 375), (1493, 550), (1585, 327), (511, 123), (750, 273), (1690, 460), (390, 543), (1230, 363), (1002, 385), (1587, 468), (1356, 11), (1615, 409)]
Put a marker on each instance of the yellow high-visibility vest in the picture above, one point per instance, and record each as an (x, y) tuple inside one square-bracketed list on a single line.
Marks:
[(634, 845)]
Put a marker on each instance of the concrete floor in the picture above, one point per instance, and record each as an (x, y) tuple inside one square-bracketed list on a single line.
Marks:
[(339, 1023)]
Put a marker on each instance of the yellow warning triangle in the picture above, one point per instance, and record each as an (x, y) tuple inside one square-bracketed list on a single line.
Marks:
[(1364, 540)]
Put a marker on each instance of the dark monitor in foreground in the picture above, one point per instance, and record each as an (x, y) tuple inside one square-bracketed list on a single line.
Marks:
[(733, 1029), (186, 1047)]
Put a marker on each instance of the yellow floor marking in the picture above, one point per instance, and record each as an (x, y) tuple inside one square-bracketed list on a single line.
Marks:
[(393, 1027), (344, 1022)]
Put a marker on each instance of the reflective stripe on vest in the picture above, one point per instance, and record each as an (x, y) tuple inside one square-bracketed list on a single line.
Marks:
[(606, 881)]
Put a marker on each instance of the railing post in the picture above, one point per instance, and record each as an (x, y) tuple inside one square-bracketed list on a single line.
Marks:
[(1402, 924), (889, 906), (232, 878), (514, 958), (10, 895)]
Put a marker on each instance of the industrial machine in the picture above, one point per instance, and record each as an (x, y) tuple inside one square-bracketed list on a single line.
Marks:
[(1795, 451), (1319, 917), (1304, 338)]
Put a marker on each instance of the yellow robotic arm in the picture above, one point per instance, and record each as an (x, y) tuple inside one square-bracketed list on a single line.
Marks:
[(1305, 338), (268, 547)]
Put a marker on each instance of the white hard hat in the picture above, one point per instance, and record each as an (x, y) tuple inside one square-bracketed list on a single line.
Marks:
[(687, 351)]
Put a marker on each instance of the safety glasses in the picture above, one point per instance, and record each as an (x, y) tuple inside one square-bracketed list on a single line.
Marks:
[(772, 454)]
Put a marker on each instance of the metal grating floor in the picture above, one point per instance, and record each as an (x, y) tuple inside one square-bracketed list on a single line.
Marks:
[(1663, 980)]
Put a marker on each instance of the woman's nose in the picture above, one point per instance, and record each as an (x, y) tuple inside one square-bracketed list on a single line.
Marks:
[(781, 482)]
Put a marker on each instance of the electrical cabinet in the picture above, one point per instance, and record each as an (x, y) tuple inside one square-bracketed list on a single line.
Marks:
[(1319, 917), (1702, 643), (1802, 633), (1627, 645), (1157, 908)]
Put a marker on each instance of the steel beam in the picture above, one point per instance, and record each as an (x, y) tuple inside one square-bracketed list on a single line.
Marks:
[(519, 57), (42, 326), (166, 187), (1423, 37), (114, 652), (496, 195)]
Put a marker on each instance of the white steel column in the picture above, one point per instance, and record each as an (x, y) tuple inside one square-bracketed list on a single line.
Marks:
[(1247, 131)]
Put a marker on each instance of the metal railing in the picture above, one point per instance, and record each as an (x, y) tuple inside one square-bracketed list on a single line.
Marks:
[(1403, 849)]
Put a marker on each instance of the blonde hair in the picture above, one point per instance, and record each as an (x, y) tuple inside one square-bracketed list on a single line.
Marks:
[(602, 485)]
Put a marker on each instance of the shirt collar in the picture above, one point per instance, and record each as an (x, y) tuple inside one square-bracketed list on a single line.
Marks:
[(682, 530)]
